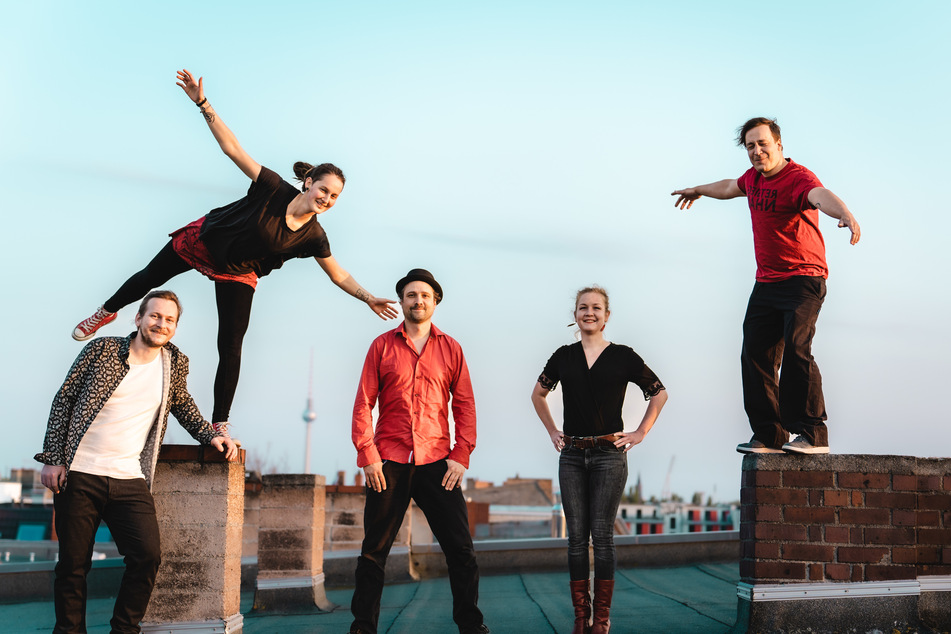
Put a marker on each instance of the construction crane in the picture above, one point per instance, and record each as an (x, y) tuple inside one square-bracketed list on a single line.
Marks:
[(665, 493)]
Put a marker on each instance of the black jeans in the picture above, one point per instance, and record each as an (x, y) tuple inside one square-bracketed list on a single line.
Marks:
[(777, 331), (447, 516), (592, 482), (129, 511), (234, 314)]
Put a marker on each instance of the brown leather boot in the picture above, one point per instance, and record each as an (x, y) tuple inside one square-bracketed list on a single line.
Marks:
[(603, 590), (581, 600)]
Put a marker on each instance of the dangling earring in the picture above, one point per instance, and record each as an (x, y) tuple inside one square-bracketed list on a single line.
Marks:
[(602, 327)]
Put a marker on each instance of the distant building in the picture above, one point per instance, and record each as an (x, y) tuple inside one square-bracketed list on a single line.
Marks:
[(677, 517), (26, 506), (513, 492), (519, 508), (33, 491), (528, 507), (10, 492)]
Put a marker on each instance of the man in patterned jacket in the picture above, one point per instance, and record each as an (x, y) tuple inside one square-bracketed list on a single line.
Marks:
[(105, 428)]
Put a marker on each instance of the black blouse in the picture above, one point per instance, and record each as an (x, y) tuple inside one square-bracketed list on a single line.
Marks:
[(593, 397), (251, 234)]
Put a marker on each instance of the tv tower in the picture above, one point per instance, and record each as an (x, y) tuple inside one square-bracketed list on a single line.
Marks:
[(309, 414)]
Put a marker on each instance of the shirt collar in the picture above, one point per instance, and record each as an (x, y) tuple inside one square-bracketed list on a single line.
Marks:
[(124, 344), (433, 331)]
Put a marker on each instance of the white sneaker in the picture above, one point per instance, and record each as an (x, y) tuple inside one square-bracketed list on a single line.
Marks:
[(755, 446), (801, 445)]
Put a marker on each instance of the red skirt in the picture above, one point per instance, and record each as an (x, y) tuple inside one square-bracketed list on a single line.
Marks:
[(188, 245)]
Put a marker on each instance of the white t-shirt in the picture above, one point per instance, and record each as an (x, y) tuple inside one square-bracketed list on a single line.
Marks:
[(115, 439)]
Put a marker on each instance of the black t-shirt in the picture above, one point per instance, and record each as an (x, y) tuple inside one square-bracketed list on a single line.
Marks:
[(251, 236), (593, 398)]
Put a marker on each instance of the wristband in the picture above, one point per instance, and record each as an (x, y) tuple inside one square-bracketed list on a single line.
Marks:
[(202, 102)]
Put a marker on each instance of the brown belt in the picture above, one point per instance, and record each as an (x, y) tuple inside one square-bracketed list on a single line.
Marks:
[(590, 442)]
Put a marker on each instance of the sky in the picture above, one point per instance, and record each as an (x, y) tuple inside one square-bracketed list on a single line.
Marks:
[(519, 151)]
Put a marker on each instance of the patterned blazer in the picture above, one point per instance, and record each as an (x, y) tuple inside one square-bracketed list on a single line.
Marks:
[(95, 374)]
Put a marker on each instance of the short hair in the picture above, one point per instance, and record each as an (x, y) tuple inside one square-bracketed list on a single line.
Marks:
[(169, 295), (594, 288), (753, 123)]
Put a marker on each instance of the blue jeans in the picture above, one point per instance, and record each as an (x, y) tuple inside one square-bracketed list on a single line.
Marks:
[(592, 482), (777, 332)]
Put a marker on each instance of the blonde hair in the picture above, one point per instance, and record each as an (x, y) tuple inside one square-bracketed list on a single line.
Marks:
[(594, 288), (169, 295)]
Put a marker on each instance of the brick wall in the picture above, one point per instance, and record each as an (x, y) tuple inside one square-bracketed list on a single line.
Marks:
[(844, 518)]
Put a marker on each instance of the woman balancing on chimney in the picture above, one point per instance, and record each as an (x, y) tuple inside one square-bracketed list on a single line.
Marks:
[(592, 469), (236, 244)]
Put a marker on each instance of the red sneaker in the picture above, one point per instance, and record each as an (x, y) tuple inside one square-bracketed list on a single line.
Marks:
[(87, 328)]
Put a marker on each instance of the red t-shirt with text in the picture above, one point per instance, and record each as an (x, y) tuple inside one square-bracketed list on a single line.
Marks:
[(786, 236)]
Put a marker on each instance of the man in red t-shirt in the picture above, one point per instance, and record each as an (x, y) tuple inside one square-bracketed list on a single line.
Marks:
[(784, 199)]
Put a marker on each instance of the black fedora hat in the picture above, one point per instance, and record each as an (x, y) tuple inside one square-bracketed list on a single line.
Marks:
[(419, 275)]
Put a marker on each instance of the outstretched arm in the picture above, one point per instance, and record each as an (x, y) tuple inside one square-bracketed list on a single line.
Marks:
[(339, 276), (721, 190), (540, 401), (831, 205), (225, 137)]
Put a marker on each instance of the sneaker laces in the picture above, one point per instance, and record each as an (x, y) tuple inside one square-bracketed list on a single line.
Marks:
[(95, 319), (222, 429)]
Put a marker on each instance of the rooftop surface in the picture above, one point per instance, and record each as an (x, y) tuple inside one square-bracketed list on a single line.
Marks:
[(700, 598)]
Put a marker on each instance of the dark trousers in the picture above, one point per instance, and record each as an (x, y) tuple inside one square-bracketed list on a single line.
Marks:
[(447, 516), (129, 511), (592, 482), (234, 314), (777, 332)]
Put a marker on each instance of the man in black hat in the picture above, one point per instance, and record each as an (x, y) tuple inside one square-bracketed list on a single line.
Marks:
[(414, 371)]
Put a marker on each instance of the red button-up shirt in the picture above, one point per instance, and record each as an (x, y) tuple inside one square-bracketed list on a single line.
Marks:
[(414, 392)]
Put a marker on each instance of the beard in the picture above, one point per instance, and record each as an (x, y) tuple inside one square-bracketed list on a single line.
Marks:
[(153, 339), (418, 315)]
